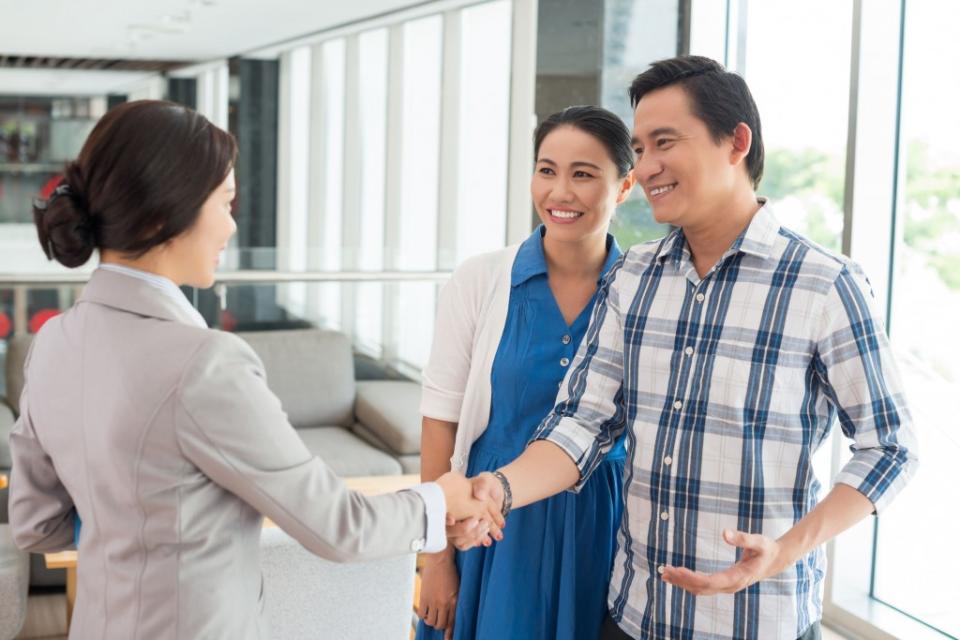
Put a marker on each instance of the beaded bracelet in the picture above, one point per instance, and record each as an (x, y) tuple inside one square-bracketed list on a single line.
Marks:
[(507, 494)]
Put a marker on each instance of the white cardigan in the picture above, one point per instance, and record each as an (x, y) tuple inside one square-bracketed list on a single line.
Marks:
[(471, 315)]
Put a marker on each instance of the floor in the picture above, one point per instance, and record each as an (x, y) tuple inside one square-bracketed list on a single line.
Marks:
[(46, 619)]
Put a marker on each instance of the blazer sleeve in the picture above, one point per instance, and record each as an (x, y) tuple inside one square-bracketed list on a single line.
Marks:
[(42, 514), (232, 427)]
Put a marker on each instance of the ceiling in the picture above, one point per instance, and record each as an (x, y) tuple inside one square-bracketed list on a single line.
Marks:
[(170, 30)]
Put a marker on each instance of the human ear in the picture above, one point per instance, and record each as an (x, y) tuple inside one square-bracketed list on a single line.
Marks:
[(626, 186)]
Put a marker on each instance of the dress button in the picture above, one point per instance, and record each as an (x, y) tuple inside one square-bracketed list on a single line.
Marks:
[(700, 297), (678, 405), (566, 339), (668, 461), (664, 515), (688, 351), (564, 362)]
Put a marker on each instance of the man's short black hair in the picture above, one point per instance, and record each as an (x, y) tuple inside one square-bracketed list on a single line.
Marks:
[(719, 98)]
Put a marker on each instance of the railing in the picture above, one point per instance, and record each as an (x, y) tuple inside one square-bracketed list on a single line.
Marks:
[(73, 282)]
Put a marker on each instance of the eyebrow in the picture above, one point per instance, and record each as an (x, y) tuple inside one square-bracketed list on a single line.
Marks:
[(659, 131), (579, 163)]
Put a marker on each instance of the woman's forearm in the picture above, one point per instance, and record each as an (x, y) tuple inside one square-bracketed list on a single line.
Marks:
[(437, 441), (542, 470)]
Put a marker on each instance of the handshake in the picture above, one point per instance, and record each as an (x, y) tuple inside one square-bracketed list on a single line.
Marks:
[(474, 509)]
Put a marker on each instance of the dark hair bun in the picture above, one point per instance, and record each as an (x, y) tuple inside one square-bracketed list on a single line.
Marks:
[(65, 226), (140, 180)]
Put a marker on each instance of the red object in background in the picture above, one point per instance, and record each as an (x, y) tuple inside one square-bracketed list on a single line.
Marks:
[(5, 325), (228, 321), (40, 318), (50, 185)]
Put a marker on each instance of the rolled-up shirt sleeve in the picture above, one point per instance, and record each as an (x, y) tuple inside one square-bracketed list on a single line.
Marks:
[(855, 361), (589, 414)]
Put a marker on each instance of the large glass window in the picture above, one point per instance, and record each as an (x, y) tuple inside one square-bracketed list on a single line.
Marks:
[(331, 78), (802, 91), (393, 119), (297, 117), (372, 70), (420, 179), (925, 305), (484, 128)]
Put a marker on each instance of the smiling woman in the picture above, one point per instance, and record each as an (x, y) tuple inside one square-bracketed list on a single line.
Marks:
[(127, 197), (160, 434), (506, 358)]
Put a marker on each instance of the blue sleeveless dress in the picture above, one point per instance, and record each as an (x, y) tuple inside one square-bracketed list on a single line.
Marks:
[(548, 578)]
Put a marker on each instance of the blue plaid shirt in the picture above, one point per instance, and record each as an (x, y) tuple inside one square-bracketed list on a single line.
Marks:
[(727, 385)]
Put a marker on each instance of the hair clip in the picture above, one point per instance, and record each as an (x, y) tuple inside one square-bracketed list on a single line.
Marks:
[(62, 190)]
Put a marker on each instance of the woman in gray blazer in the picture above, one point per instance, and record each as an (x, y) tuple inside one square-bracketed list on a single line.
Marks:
[(160, 434)]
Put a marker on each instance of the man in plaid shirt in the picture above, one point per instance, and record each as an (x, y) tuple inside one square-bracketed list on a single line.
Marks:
[(726, 350)]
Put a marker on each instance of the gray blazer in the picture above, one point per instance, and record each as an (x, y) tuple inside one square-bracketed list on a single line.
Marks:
[(166, 441)]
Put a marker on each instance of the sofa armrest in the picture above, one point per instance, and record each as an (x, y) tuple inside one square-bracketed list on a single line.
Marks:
[(6, 426), (390, 409)]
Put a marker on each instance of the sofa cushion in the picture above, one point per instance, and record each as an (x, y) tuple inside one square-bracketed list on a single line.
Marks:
[(410, 464), (391, 410), (311, 371), (17, 348), (6, 426), (347, 454)]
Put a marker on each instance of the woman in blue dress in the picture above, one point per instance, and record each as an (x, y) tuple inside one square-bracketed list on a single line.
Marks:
[(508, 326)]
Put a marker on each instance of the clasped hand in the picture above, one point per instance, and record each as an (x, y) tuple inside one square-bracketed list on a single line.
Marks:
[(473, 510), (472, 531)]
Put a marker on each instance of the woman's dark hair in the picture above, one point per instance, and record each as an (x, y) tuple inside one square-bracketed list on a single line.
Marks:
[(603, 125), (719, 98), (140, 180)]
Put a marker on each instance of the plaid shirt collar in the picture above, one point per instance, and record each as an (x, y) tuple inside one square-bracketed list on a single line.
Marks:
[(757, 239)]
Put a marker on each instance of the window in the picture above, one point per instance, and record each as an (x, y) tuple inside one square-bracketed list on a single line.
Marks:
[(484, 121), (372, 131), (802, 92), (419, 168), (925, 305), (403, 113)]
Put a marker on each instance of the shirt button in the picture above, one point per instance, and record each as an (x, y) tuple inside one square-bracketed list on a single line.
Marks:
[(565, 339), (661, 569), (688, 351), (668, 461), (664, 516), (700, 297), (564, 362), (417, 545), (678, 405)]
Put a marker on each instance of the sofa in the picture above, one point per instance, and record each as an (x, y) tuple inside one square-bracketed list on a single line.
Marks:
[(364, 427)]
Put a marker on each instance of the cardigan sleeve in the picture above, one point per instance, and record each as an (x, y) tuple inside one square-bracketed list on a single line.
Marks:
[(445, 376)]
